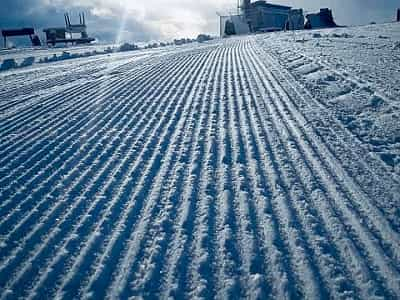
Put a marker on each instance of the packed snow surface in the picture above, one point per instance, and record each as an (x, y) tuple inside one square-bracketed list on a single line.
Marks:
[(261, 166)]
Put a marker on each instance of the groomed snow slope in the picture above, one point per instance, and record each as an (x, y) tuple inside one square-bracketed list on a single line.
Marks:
[(222, 170)]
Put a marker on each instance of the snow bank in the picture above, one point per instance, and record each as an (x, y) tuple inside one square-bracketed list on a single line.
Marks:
[(8, 64), (21, 62)]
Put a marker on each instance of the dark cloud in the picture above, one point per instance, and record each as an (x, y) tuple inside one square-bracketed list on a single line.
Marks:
[(41, 14)]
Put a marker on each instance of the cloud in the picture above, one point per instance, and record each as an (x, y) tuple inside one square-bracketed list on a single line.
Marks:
[(105, 21), (119, 20), (129, 20)]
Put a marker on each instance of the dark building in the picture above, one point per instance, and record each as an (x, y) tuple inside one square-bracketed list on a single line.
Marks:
[(323, 19), (398, 15), (21, 32), (263, 16), (260, 16)]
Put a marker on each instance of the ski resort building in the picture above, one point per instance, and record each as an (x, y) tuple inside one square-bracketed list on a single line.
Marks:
[(260, 16), (323, 19), (232, 25), (263, 17)]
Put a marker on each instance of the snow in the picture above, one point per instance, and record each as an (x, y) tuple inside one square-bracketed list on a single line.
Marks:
[(263, 166), (357, 75), (25, 57)]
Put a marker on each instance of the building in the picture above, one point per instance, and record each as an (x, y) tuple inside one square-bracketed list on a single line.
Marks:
[(21, 32), (323, 19), (260, 16), (263, 17), (233, 25), (68, 33), (55, 35), (295, 20)]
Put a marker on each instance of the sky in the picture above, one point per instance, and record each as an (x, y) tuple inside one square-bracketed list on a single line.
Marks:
[(163, 20)]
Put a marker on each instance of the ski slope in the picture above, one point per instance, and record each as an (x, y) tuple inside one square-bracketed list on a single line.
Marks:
[(238, 168)]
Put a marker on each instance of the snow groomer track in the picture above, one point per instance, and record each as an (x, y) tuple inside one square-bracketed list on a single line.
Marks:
[(206, 171)]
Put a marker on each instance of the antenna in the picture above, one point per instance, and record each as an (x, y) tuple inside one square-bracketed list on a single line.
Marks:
[(68, 20), (80, 19)]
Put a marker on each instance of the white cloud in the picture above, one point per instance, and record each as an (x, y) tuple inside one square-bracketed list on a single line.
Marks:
[(134, 20), (171, 19)]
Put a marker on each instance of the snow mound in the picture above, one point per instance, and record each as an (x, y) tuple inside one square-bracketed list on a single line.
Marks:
[(8, 64)]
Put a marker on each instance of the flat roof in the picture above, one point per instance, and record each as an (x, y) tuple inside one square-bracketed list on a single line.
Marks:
[(17, 32)]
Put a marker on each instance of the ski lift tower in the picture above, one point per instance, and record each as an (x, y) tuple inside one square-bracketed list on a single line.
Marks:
[(80, 28), (59, 34)]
